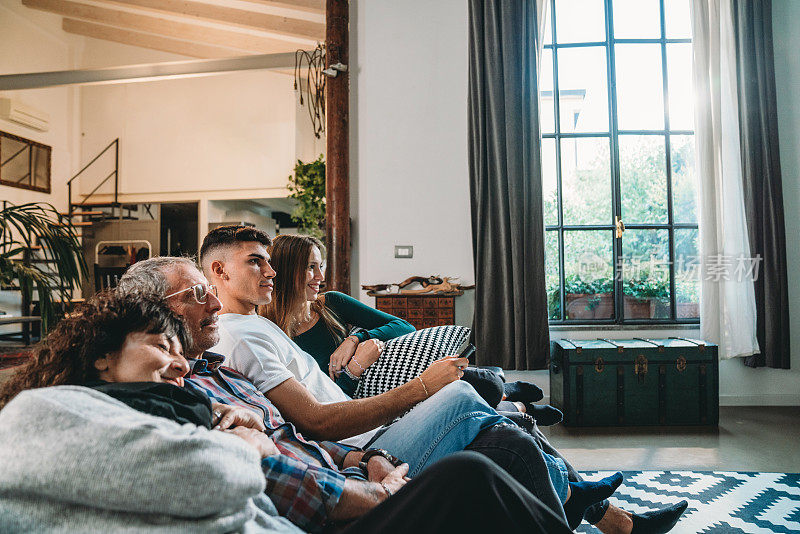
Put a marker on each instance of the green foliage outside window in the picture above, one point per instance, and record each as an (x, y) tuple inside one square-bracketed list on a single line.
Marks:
[(307, 186), (644, 287)]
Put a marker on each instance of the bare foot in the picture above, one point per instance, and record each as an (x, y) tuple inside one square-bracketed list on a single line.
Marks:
[(615, 521), (520, 407)]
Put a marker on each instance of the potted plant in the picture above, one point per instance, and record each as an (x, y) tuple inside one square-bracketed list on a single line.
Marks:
[(642, 295), (38, 226), (588, 299), (307, 186), (687, 299)]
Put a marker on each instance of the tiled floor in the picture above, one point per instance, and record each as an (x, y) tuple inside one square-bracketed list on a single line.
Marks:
[(748, 439)]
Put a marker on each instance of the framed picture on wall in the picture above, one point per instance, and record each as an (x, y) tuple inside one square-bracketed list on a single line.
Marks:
[(24, 163)]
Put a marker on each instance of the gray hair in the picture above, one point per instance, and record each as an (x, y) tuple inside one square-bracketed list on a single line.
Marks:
[(148, 276)]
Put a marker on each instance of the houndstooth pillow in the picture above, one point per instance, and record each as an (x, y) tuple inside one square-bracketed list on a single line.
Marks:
[(406, 357)]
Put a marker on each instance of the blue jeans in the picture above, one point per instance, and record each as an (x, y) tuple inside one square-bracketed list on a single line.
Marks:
[(446, 423), (557, 469)]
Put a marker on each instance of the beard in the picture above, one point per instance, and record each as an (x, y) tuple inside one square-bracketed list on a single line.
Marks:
[(202, 340)]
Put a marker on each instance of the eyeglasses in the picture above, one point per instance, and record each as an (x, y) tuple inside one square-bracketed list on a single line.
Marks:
[(201, 292)]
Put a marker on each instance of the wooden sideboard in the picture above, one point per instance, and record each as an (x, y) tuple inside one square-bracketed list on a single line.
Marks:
[(422, 311)]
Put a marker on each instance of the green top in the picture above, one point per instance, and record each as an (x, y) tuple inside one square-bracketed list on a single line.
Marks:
[(320, 343)]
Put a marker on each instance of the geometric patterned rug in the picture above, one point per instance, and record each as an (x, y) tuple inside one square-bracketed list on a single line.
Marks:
[(720, 502)]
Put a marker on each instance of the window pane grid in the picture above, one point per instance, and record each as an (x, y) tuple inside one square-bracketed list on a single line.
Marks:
[(559, 190), (617, 41), (24, 163), (665, 82), (613, 135), (620, 132)]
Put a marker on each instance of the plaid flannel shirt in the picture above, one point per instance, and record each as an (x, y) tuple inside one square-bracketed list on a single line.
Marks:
[(305, 481)]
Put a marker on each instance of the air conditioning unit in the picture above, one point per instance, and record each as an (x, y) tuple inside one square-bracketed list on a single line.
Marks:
[(16, 111)]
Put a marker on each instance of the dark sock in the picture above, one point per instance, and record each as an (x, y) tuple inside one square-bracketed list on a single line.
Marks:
[(522, 392), (585, 493), (544, 414), (658, 521)]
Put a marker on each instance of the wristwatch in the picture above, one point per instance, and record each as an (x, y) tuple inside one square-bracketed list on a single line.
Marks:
[(377, 452)]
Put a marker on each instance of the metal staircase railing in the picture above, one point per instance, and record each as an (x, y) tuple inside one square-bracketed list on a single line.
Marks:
[(114, 173)]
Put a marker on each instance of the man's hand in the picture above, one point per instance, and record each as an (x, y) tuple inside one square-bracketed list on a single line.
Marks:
[(360, 497), (231, 416), (442, 372), (341, 356), (256, 439), (379, 468), (396, 478)]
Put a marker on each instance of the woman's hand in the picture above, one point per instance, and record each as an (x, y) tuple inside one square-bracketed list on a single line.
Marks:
[(341, 356), (442, 372), (366, 354), (258, 440), (225, 416)]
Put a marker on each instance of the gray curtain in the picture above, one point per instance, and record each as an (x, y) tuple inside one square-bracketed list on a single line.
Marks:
[(761, 175), (510, 325)]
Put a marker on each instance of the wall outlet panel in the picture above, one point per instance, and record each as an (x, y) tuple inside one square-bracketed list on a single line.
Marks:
[(403, 251)]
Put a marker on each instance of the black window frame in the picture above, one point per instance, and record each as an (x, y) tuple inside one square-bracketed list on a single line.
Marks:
[(613, 135), (29, 146)]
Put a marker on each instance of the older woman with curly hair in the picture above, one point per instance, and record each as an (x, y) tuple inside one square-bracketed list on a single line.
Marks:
[(114, 340)]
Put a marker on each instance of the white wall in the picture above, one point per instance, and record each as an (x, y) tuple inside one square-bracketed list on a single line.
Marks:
[(408, 131), (409, 162), (187, 136), (307, 146), (224, 137)]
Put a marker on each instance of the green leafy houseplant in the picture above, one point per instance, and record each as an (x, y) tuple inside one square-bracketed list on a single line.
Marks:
[(647, 287), (592, 292), (26, 226), (307, 186), (584, 298)]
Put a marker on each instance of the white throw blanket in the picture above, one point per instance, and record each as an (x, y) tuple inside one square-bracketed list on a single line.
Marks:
[(75, 460)]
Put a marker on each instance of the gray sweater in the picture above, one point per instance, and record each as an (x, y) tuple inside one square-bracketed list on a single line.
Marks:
[(75, 460)]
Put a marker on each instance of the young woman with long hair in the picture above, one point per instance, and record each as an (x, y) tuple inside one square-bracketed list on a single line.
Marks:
[(317, 322)]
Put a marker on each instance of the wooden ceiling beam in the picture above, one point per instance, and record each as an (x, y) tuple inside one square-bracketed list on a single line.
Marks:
[(310, 6), (288, 26), (166, 28), (144, 40)]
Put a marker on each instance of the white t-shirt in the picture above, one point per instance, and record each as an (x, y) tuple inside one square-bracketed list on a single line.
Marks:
[(262, 352)]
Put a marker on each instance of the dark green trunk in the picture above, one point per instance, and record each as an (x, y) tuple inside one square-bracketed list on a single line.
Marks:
[(635, 382)]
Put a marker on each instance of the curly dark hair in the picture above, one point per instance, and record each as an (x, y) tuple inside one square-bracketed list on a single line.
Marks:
[(95, 330)]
